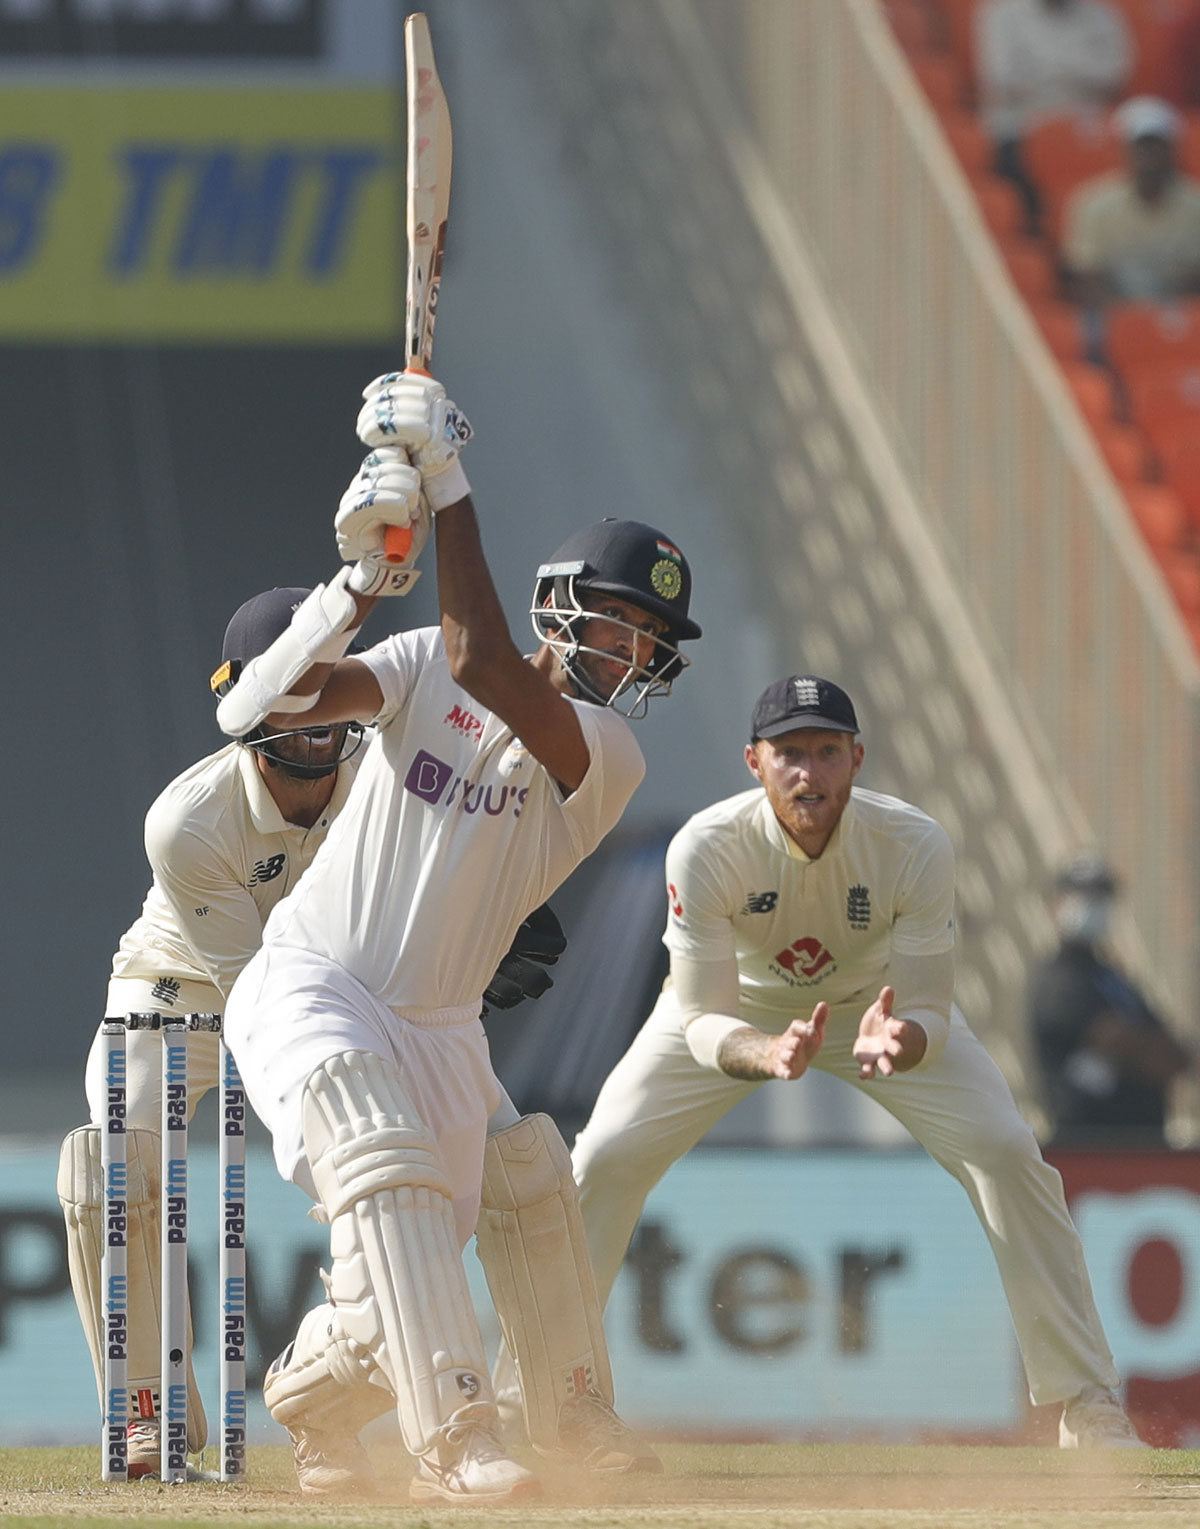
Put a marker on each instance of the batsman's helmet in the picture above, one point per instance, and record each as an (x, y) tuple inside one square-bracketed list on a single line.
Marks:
[(252, 629), (637, 564)]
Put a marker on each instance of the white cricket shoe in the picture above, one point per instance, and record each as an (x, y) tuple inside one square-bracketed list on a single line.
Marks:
[(1095, 1419), (591, 1434), (143, 1453), (143, 1448), (331, 1464), (471, 1465)]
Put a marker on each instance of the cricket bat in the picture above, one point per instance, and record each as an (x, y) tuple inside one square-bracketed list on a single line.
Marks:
[(430, 152)]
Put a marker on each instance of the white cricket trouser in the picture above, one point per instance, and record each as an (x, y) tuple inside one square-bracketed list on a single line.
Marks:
[(658, 1102), (290, 1011), (143, 1050)]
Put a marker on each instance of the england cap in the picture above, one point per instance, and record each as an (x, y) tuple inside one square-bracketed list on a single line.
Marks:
[(802, 700)]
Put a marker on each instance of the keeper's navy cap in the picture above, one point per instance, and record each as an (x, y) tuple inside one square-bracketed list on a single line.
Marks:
[(802, 700), (254, 626)]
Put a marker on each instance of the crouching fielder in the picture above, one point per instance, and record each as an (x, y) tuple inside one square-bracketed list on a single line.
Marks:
[(356, 1028), (790, 907)]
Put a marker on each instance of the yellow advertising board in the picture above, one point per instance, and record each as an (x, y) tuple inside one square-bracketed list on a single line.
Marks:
[(256, 214)]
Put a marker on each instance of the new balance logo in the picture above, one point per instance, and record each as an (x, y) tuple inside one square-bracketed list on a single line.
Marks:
[(760, 902), (858, 907), (266, 870)]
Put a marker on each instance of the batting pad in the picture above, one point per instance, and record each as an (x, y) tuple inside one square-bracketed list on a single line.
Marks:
[(325, 1381), (535, 1255), (398, 1281), (81, 1195)]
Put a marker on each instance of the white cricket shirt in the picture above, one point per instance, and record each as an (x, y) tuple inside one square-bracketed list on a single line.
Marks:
[(804, 930), (452, 835), (222, 855)]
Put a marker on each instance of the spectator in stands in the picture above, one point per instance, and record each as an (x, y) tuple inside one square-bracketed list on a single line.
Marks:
[(1107, 1059), (1134, 234), (1043, 58)]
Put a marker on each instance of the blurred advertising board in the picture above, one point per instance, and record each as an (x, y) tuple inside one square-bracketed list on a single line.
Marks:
[(1139, 1217), (210, 173), (767, 1295)]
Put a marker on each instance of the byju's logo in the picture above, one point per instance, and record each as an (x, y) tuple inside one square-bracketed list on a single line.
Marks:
[(427, 777)]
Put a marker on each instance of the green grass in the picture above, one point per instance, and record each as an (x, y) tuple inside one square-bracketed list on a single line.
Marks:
[(705, 1486)]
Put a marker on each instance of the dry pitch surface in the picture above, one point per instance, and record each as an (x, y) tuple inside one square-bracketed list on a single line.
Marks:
[(706, 1486)]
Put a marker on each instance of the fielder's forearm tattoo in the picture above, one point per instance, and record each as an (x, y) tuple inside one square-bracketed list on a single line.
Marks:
[(744, 1055)]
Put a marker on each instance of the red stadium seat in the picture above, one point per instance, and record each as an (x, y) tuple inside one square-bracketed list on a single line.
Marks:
[(1160, 515), (1143, 335), (912, 22), (1158, 27), (940, 78), (1182, 568), (1165, 400), (960, 26), (1180, 456), (1062, 153), (1060, 326), (1093, 390), (971, 145), (1126, 452), (1000, 204), (1031, 269)]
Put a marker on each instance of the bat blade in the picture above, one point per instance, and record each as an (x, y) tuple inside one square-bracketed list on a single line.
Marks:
[(430, 155)]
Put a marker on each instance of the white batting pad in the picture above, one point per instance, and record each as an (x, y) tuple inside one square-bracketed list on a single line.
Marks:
[(535, 1256), (325, 1381), (398, 1280), (80, 1193)]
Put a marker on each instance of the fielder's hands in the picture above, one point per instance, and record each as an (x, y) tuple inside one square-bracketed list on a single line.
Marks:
[(885, 1044), (386, 491), (789, 1054), (411, 410)]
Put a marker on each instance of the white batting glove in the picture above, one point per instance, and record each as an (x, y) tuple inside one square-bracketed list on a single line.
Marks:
[(386, 491), (411, 410)]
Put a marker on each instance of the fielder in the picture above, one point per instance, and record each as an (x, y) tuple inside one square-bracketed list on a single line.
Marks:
[(808, 889), (226, 841), (356, 1026)]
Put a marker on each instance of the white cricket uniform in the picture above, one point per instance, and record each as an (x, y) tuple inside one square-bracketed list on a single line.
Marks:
[(223, 856), (454, 833), (803, 931)]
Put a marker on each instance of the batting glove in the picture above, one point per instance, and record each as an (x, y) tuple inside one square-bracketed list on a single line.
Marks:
[(386, 491), (411, 410)]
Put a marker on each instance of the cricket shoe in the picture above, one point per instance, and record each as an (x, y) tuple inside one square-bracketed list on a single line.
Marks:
[(143, 1453), (591, 1434), (331, 1464), (143, 1448), (1095, 1419), (470, 1464)]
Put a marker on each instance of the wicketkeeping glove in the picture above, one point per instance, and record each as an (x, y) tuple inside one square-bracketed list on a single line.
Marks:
[(411, 410), (522, 974), (386, 491)]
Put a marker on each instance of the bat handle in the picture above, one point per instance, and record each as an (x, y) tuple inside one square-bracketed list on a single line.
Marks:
[(397, 543), (397, 540)]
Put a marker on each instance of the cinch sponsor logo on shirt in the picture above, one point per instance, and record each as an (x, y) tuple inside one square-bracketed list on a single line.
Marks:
[(435, 782), (465, 722), (802, 962)]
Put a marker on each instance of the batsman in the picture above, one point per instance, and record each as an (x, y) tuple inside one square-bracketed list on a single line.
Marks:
[(356, 1028)]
